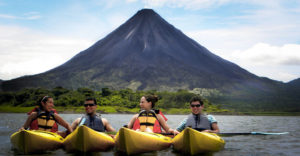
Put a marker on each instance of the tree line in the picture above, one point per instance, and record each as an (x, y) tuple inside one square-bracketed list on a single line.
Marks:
[(105, 97)]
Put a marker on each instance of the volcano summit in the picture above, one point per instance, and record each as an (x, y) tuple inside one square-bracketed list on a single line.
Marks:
[(146, 52)]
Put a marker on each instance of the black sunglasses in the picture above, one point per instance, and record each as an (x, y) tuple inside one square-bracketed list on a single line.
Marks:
[(85, 105), (195, 105)]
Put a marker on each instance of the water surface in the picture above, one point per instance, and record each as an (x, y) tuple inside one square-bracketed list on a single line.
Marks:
[(252, 145)]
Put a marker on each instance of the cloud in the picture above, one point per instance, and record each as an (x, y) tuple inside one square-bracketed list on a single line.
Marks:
[(249, 48), (276, 62), (24, 51), (187, 4), (26, 16), (5, 16), (265, 54)]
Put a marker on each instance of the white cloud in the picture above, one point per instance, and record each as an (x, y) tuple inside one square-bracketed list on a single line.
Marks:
[(131, 1), (5, 16), (25, 52), (187, 4), (26, 16), (276, 62), (265, 54), (250, 49)]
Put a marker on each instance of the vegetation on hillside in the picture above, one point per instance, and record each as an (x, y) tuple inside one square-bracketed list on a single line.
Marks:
[(110, 101)]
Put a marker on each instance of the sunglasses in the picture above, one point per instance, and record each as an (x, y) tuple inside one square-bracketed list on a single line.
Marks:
[(85, 105), (195, 105)]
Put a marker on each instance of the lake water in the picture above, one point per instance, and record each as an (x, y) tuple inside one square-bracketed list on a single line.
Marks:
[(252, 145)]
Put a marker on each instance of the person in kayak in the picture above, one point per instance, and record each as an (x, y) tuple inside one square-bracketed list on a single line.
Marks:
[(91, 119), (44, 117), (149, 120), (197, 119)]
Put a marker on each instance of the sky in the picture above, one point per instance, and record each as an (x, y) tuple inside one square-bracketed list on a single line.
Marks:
[(262, 37)]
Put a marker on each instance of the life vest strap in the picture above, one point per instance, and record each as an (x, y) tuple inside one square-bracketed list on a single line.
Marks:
[(45, 127), (147, 124), (46, 117)]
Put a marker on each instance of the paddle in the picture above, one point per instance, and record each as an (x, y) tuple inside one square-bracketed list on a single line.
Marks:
[(252, 133), (247, 133)]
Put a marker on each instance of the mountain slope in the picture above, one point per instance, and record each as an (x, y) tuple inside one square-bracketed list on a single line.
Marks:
[(146, 52)]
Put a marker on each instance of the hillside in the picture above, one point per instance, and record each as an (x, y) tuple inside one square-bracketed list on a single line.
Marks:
[(148, 53), (144, 53)]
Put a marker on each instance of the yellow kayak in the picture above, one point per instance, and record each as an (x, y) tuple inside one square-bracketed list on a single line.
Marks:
[(85, 139), (35, 141), (133, 142), (193, 142)]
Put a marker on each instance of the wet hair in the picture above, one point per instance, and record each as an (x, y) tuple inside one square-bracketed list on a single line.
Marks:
[(196, 98), (151, 98), (44, 100), (91, 99)]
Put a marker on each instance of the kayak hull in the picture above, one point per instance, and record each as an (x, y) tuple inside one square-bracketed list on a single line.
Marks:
[(134, 142), (35, 141), (85, 139), (193, 142)]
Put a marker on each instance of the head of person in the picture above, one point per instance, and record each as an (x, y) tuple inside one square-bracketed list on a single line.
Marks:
[(148, 102), (46, 103), (90, 105), (196, 105)]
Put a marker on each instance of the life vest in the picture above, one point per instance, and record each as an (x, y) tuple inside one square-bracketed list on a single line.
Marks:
[(199, 122), (44, 121), (147, 120), (94, 122)]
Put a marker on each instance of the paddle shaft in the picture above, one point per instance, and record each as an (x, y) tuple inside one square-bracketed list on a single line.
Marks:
[(253, 133)]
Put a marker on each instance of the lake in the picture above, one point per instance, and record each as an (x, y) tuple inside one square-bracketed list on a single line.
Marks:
[(252, 145)]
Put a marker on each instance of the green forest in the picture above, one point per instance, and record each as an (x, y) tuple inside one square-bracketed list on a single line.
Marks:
[(110, 101)]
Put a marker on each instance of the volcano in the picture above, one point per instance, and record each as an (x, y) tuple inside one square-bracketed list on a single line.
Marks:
[(144, 53)]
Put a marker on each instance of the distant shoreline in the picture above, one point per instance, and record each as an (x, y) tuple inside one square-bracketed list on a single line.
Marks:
[(124, 110)]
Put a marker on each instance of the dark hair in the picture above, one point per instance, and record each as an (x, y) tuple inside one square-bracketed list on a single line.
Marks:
[(91, 99), (151, 98), (196, 98), (44, 100)]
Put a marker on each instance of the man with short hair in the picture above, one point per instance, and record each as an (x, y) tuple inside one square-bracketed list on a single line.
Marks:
[(91, 119), (198, 120)]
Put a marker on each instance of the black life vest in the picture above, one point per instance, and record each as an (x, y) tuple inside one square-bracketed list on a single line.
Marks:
[(199, 122), (94, 122)]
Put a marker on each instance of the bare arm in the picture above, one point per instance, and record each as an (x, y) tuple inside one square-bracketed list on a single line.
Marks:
[(107, 125), (215, 128), (131, 122), (164, 124), (26, 125), (75, 123), (62, 122)]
